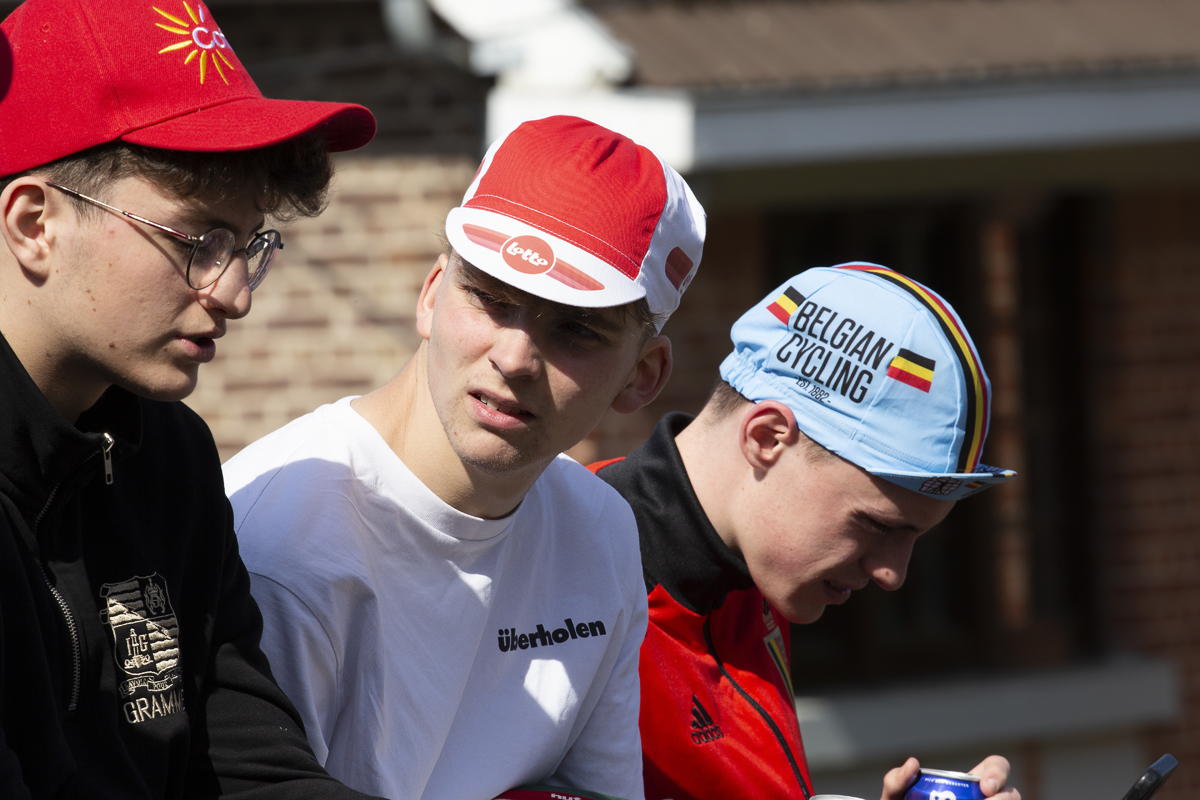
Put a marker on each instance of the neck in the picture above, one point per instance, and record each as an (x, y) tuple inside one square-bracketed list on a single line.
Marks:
[(60, 381), (708, 449), (402, 412)]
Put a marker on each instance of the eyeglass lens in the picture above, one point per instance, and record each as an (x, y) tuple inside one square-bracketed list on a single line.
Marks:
[(215, 250)]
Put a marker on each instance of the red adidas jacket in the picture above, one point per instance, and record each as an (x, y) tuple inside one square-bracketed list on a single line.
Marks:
[(717, 718)]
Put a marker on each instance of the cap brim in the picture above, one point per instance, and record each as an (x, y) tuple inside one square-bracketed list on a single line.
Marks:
[(948, 486), (249, 123), (575, 278)]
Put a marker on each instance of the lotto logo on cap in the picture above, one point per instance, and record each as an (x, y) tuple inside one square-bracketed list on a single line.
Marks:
[(572, 212), (878, 369), (158, 74), (528, 254)]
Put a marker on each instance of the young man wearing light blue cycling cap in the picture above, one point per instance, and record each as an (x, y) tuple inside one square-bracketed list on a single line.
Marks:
[(848, 419)]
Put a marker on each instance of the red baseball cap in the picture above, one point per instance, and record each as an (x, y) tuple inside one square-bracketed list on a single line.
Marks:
[(570, 211), (5, 65), (156, 74)]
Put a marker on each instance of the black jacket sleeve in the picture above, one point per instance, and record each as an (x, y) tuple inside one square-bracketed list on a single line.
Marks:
[(12, 784), (25, 681), (249, 740)]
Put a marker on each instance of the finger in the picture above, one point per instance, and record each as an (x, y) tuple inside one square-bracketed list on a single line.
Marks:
[(993, 773), (897, 781)]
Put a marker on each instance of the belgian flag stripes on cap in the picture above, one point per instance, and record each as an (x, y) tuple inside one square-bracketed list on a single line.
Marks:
[(786, 304), (916, 371)]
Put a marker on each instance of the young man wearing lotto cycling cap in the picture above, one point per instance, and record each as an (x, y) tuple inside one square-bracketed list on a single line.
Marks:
[(138, 167), (455, 608), (848, 419)]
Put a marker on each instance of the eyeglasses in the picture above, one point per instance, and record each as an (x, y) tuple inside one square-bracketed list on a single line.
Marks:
[(212, 252)]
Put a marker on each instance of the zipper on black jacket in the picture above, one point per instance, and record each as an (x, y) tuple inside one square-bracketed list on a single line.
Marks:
[(68, 617), (762, 712), (109, 441), (76, 654), (106, 452)]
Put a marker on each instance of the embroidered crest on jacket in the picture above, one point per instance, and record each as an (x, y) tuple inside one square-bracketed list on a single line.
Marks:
[(145, 646)]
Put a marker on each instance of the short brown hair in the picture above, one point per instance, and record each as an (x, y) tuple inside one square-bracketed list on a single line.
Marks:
[(289, 180), (637, 315), (725, 401)]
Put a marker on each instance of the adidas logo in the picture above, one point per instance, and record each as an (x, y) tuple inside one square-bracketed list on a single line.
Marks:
[(704, 730)]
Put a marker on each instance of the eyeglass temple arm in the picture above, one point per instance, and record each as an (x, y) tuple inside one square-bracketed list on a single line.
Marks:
[(115, 210)]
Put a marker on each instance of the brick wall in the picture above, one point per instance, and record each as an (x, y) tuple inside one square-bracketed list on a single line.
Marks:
[(335, 316), (1144, 360)]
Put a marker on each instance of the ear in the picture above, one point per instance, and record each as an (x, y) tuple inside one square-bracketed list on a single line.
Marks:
[(24, 224), (768, 429), (428, 296), (648, 378)]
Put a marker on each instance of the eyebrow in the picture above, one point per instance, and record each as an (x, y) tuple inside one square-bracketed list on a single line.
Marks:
[(204, 218), (594, 317), (604, 322), (879, 523)]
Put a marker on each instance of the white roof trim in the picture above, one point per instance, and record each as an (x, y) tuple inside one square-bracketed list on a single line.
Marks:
[(763, 130), (546, 44), (662, 121)]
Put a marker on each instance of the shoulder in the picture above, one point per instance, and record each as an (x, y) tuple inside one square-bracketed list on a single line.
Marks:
[(299, 479), (174, 425), (311, 447), (572, 485), (298, 500), (585, 513), (174, 444)]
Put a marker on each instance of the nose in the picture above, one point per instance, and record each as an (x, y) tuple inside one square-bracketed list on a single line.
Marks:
[(230, 293), (515, 353), (887, 564)]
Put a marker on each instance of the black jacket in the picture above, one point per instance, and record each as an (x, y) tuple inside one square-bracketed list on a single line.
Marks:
[(129, 657)]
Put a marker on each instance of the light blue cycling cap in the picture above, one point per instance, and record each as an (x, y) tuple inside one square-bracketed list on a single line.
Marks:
[(877, 369)]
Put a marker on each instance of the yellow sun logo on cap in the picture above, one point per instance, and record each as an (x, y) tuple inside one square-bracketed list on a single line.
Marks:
[(203, 36)]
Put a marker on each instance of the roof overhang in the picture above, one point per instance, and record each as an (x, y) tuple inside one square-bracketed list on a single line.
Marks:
[(701, 131), (743, 130), (554, 56)]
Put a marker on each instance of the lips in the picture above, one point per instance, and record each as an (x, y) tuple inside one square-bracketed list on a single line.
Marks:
[(209, 335), (838, 592), (499, 405), (201, 348)]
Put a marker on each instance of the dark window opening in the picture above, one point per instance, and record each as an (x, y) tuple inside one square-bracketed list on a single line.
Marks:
[(1003, 582)]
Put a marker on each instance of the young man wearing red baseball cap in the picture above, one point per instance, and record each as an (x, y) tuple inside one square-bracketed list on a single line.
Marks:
[(849, 417), (138, 167), (456, 608)]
